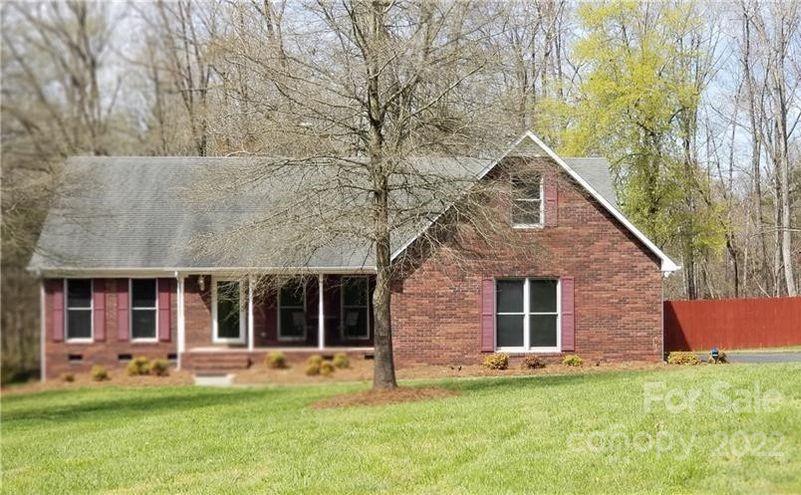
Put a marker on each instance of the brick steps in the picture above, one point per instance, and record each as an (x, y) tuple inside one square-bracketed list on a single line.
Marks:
[(217, 363)]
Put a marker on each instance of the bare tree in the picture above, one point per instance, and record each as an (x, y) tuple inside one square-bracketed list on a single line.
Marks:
[(369, 92)]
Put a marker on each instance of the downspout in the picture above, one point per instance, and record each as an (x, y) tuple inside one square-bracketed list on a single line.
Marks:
[(42, 359)]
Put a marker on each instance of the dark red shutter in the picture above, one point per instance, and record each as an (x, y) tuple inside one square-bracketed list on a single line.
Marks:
[(550, 201), (487, 315), (99, 308), (123, 315), (165, 309), (568, 314), (56, 290)]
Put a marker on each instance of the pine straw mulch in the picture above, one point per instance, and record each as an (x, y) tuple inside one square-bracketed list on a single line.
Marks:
[(384, 397), (117, 378)]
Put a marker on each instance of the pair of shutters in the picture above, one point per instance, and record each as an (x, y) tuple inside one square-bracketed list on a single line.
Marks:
[(568, 317), (101, 288)]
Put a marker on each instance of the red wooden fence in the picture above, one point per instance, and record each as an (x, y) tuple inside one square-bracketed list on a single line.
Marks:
[(732, 323)]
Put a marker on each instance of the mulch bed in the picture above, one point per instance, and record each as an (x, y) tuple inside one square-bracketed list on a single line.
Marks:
[(383, 397)]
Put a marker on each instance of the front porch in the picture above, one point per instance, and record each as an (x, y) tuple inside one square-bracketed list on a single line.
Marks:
[(234, 322)]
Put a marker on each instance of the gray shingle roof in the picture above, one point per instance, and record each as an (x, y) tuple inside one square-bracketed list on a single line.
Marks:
[(132, 212)]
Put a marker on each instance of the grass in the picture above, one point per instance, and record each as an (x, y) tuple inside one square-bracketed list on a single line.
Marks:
[(499, 435)]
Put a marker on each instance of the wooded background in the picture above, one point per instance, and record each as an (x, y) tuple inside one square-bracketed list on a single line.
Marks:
[(695, 105)]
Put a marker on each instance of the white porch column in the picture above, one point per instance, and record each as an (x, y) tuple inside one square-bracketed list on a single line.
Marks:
[(181, 320), (250, 313), (320, 314), (42, 341)]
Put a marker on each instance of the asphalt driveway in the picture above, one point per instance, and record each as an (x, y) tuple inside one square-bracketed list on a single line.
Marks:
[(758, 357), (764, 357)]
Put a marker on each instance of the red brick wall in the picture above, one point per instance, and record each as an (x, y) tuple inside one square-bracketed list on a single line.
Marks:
[(106, 352), (618, 300), (197, 312)]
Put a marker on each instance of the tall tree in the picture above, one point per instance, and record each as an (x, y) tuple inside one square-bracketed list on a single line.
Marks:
[(372, 91), (648, 65)]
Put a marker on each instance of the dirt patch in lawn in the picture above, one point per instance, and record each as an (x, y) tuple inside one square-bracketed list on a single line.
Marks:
[(383, 397)]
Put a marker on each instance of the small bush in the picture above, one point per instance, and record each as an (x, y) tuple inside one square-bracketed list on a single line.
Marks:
[(312, 369), (341, 361), (160, 367), (99, 373), (572, 360), (532, 363), (138, 366), (683, 358), (315, 359), (276, 360), (68, 377), (327, 368), (497, 361)]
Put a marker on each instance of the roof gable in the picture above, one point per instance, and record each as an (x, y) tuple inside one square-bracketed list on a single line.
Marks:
[(531, 145)]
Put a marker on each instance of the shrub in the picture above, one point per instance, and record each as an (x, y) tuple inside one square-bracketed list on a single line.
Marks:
[(139, 366), (312, 369), (327, 368), (341, 361), (160, 367), (683, 358), (572, 360), (99, 373), (531, 363), (68, 377), (276, 360), (497, 361), (313, 365)]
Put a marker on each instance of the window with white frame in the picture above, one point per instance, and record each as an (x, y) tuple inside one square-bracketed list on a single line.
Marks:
[(527, 315), (144, 309), (228, 306), (355, 308), (79, 309), (292, 310), (527, 204)]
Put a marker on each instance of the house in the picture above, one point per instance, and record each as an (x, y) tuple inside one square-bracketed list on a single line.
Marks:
[(118, 279)]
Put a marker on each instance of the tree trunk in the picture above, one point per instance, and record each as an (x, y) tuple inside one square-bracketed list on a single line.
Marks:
[(384, 367)]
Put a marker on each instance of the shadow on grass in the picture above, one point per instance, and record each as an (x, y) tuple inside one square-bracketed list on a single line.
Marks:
[(133, 403)]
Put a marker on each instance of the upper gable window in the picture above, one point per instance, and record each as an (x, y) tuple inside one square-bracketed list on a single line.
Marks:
[(527, 204)]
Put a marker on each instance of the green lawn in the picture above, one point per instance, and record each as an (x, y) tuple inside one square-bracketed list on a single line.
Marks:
[(580, 433)]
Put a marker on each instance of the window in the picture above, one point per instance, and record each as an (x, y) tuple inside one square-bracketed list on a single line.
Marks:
[(355, 308), (527, 315), (292, 311), (527, 204), (79, 310), (144, 309), (229, 316)]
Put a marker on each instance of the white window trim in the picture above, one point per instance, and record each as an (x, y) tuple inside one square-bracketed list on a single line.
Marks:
[(91, 309), (342, 308), (526, 321), (541, 223), (291, 338), (242, 313), (142, 340)]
